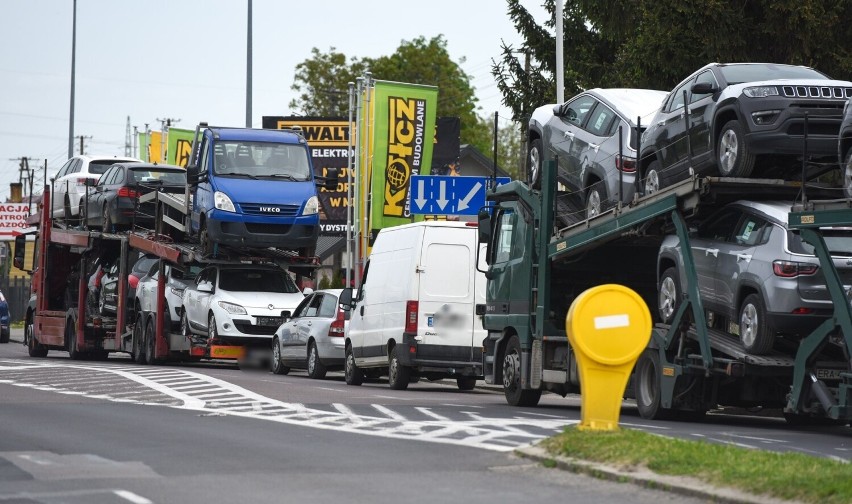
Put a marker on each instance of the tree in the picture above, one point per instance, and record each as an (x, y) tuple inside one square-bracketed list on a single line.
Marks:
[(323, 83)]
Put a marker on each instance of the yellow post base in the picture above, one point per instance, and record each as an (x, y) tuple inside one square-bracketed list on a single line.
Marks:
[(603, 389)]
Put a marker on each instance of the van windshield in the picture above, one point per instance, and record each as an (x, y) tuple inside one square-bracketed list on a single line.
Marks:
[(261, 160)]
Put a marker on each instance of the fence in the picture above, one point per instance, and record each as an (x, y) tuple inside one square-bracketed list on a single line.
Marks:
[(17, 292)]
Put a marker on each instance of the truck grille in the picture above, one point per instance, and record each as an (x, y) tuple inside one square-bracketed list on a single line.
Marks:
[(817, 92), (270, 209)]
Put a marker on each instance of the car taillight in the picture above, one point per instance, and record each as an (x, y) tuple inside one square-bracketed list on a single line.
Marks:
[(128, 192), (132, 280), (81, 181), (791, 269), (336, 328), (625, 164), (411, 308), (802, 311)]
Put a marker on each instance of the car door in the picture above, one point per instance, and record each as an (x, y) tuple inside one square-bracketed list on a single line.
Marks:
[(95, 207), (146, 291), (59, 187), (598, 155), (288, 333), (564, 144), (712, 236), (701, 107), (735, 258), (205, 298), (192, 300), (305, 324), (670, 134)]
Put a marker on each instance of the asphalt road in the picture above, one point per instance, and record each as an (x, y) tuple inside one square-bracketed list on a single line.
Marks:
[(210, 432)]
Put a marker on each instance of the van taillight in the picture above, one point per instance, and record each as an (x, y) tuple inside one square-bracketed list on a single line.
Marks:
[(128, 192), (336, 328), (411, 316), (625, 164), (791, 269)]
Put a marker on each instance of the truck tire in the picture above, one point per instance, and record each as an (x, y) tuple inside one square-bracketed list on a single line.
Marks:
[(150, 341), (351, 373), (647, 386), (466, 382), (275, 364), (669, 297), (34, 348), (71, 341), (733, 157), (398, 375), (515, 395), (756, 335), (138, 346), (316, 369)]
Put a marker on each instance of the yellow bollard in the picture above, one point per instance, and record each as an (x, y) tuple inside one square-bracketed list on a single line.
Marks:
[(608, 327)]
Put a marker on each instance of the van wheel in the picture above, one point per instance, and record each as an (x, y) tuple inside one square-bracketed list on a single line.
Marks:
[(466, 382), (669, 297), (755, 333), (398, 375), (316, 369), (34, 348), (204, 240), (275, 364), (515, 395), (351, 373), (647, 386)]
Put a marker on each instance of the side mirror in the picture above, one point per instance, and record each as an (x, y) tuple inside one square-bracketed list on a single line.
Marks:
[(20, 251), (703, 88), (345, 298), (557, 110), (307, 291), (205, 287), (286, 315), (89, 182), (331, 179), (484, 230), (192, 174)]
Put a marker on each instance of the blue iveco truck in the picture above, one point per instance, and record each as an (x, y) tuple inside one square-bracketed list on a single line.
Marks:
[(253, 188)]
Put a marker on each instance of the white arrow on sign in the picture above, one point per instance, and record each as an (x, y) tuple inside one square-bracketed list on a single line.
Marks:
[(463, 203), (442, 195), (421, 184)]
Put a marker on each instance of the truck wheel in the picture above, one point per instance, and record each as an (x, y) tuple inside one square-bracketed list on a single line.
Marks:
[(755, 333), (34, 348), (150, 342), (71, 341), (534, 163), (316, 369), (651, 183), (138, 347), (733, 156), (647, 386), (466, 382), (669, 297), (398, 375), (515, 395), (351, 373), (275, 364)]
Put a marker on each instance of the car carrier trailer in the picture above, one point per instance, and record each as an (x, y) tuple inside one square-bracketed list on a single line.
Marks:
[(536, 269)]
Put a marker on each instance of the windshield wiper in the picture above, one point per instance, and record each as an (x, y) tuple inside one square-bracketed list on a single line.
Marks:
[(234, 174), (281, 175)]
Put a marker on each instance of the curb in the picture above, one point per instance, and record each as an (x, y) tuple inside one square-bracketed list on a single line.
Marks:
[(689, 487)]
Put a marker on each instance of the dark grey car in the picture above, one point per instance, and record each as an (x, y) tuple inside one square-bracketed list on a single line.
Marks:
[(756, 278)]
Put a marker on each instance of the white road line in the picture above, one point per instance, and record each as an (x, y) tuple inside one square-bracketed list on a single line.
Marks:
[(393, 415), (428, 412), (755, 438), (132, 497)]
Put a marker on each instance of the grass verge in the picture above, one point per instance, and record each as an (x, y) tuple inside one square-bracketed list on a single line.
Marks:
[(790, 476)]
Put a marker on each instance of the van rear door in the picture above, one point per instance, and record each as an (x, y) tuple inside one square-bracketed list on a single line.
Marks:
[(446, 301)]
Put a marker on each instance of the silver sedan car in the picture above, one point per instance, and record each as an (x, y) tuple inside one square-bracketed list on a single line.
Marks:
[(756, 278), (313, 337)]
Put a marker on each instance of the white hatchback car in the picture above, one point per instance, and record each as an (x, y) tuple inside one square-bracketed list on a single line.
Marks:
[(69, 185), (176, 281), (242, 302)]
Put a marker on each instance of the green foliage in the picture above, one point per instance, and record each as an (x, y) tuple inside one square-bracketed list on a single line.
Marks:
[(323, 83), (324, 283)]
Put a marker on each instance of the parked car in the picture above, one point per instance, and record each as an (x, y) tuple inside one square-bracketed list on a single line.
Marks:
[(177, 279), (5, 330), (754, 273), (583, 134), (109, 283), (313, 338), (744, 118), (69, 185), (238, 301), (113, 201)]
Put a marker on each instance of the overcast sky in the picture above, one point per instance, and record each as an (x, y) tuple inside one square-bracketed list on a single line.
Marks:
[(186, 59)]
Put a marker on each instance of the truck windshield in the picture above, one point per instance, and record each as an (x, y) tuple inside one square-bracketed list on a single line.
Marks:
[(245, 280), (261, 160)]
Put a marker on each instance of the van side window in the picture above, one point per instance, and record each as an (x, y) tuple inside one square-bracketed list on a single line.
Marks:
[(505, 227)]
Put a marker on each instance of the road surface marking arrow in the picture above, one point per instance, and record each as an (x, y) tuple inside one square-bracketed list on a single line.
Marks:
[(421, 184), (463, 203), (442, 199)]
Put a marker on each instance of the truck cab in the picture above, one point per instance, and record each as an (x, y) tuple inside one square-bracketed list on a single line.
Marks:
[(253, 188)]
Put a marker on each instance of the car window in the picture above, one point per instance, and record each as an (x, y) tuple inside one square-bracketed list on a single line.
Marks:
[(75, 167), (103, 178), (155, 268), (142, 175), (600, 120), (100, 166), (144, 264), (677, 97), (705, 76), (750, 230), (838, 241), (503, 250), (314, 307), (301, 308), (721, 226), (328, 307), (64, 170), (575, 111), (257, 280)]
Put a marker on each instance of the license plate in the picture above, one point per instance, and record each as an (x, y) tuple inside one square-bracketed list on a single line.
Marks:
[(828, 374), (269, 321)]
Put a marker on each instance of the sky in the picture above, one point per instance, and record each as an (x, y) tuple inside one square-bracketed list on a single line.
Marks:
[(186, 60)]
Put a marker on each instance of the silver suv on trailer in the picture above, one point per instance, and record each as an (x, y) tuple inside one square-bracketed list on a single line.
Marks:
[(754, 274)]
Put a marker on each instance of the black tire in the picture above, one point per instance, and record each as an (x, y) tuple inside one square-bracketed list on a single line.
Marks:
[(5, 334), (71, 341), (275, 364), (515, 395), (756, 335), (212, 330), (82, 218), (184, 325), (733, 155), (66, 210), (466, 382), (34, 348), (646, 383), (846, 170), (652, 179), (150, 341), (351, 372), (316, 369), (399, 376), (108, 226), (204, 240), (595, 199), (669, 296), (534, 164), (137, 352)]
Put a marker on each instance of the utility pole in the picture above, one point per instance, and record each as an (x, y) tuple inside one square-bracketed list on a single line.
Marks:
[(136, 141), (127, 138), (165, 124), (81, 137), (24, 172), (248, 68), (73, 73)]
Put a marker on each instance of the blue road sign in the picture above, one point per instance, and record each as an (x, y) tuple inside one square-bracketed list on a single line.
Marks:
[(446, 195)]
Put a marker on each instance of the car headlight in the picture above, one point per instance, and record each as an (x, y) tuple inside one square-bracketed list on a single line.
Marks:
[(760, 91), (233, 309), (312, 206), (223, 202)]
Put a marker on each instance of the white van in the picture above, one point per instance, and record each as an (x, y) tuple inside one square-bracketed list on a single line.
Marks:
[(415, 313)]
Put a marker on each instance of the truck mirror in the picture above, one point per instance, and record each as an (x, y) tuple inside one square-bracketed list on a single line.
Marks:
[(20, 251)]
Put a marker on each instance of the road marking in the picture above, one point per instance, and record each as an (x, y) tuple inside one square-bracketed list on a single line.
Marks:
[(132, 497)]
